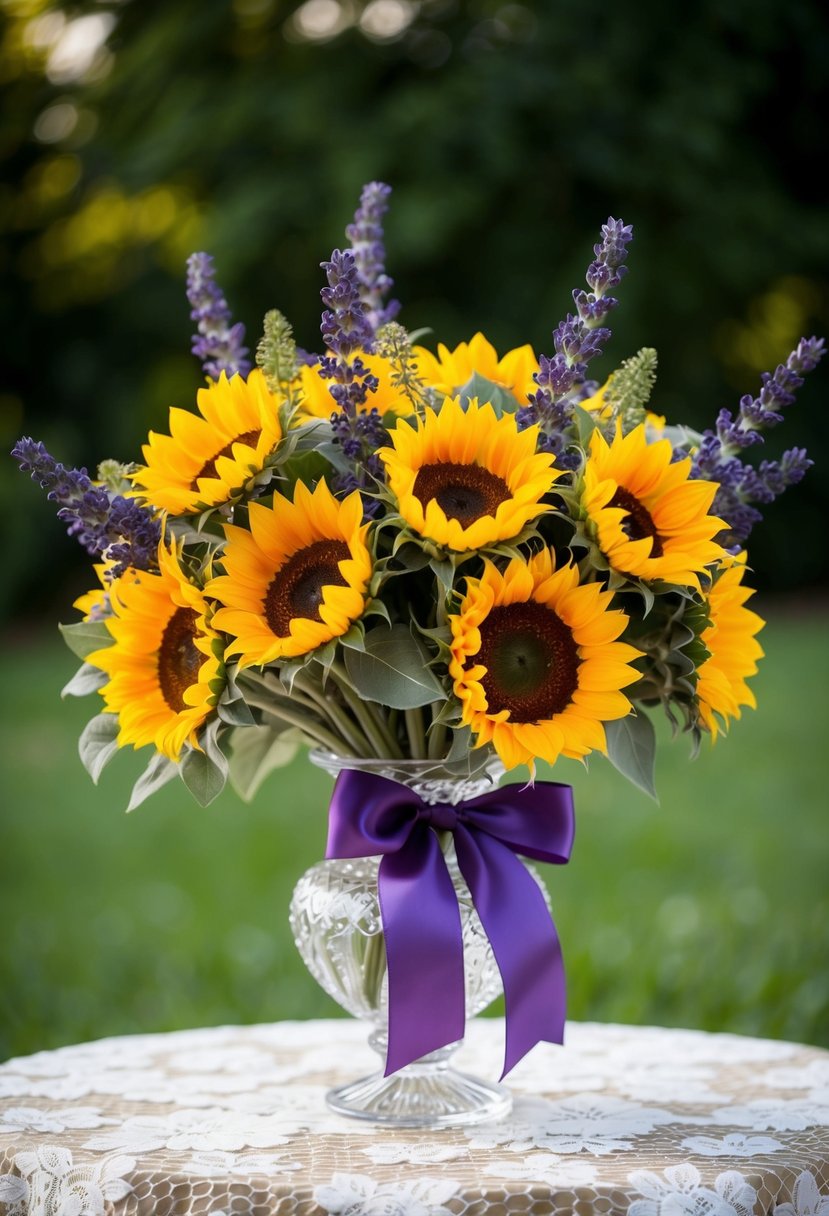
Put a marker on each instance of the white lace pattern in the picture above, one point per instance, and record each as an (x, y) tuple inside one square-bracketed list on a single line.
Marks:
[(623, 1121)]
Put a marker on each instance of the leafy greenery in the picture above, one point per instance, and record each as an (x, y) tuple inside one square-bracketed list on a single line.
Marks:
[(710, 910)]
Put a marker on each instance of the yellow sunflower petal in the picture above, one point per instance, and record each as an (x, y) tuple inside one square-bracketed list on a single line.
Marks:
[(466, 479), (298, 579), (648, 518), (528, 680), (162, 664), (731, 641), (207, 460)]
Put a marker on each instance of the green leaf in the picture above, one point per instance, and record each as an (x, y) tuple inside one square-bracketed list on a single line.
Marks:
[(586, 424), (158, 772), (500, 398), (86, 679), (461, 745), (205, 772), (98, 744), (86, 636), (410, 556), (444, 572), (376, 607), (257, 751), (631, 748), (354, 638), (235, 712), (394, 669), (307, 467)]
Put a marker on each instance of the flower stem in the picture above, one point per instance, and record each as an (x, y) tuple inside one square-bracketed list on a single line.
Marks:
[(414, 730), (375, 729), (314, 730), (373, 969), (437, 734), (337, 716)]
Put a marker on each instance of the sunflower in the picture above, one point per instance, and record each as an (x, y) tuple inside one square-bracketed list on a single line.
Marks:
[(535, 661), (317, 401), (165, 663), (732, 647), (207, 460), (297, 579), (450, 370), (464, 478), (650, 521)]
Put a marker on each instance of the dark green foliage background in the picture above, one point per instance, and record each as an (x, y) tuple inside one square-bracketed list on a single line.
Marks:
[(509, 132)]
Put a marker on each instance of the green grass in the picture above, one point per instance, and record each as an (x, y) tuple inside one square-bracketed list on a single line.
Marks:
[(710, 910)]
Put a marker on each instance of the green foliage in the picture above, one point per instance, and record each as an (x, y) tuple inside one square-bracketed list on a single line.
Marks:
[(631, 748), (158, 772), (394, 343), (630, 387), (257, 751), (478, 387), (276, 352), (391, 669), (85, 637), (98, 744)]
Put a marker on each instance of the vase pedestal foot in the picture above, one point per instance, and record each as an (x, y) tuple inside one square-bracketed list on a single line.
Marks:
[(425, 1094)]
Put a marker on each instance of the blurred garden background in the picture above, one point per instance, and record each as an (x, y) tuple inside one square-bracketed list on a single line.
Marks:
[(134, 132)]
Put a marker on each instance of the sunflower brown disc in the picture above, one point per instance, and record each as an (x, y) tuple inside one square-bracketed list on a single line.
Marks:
[(179, 659), (208, 469), (639, 525), (464, 492), (531, 659), (296, 588)]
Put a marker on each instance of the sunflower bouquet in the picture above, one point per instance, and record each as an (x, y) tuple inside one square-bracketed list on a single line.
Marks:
[(384, 550)]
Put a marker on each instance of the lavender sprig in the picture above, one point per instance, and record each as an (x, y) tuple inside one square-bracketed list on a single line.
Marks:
[(366, 237), (577, 340), (117, 528), (345, 331), (740, 484), (218, 343)]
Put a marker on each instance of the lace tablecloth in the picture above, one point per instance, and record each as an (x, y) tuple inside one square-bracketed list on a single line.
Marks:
[(232, 1120)]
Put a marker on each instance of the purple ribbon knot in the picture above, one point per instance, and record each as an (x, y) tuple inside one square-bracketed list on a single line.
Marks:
[(440, 816), (371, 815)]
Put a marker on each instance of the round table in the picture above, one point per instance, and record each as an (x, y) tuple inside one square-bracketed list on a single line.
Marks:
[(628, 1119)]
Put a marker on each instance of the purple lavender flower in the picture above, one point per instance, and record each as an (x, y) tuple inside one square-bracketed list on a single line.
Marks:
[(109, 525), (740, 484), (366, 236), (577, 340), (218, 343), (346, 330)]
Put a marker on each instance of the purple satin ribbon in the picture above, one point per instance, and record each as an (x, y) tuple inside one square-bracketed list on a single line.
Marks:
[(371, 815)]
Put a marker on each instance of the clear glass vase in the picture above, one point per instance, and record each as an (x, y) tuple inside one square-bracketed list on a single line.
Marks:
[(335, 918)]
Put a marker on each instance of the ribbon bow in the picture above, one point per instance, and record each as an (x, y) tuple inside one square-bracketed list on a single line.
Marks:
[(371, 815)]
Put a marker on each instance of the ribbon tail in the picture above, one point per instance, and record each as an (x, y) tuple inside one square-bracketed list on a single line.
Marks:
[(524, 941), (424, 950)]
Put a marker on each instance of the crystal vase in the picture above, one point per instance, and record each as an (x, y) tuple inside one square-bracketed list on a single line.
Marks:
[(335, 918)]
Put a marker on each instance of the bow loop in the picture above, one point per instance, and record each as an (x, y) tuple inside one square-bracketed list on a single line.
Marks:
[(370, 815)]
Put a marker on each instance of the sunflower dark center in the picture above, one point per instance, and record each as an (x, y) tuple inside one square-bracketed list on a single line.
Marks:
[(208, 469), (637, 524), (296, 588), (531, 659), (178, 658), (463, 492)]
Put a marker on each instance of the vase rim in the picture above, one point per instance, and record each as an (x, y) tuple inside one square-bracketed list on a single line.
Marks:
[(416, 770)]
